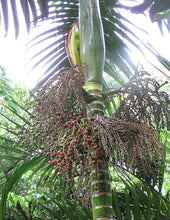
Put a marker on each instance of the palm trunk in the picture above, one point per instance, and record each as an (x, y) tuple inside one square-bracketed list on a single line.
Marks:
[(101, 198), (92, 52), (100, 176), (95, 107)]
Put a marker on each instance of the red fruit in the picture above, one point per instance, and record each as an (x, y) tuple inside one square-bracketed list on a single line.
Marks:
[(95, 147), (71, 149), (65, 125), (75, 141), (65, 146), (96, 188), (57, 168), (51, 138), (81, 112), (52, 162), (69, 180), (85, 169), (74, 117), (76, 129), (63, 163), (72, 111), (48, 153), (61, 154), (89, 139), (70, 139), (75, 158), (57, 161), (75, 121), (51, 129), (69, 164), (56, 143), (65, 181), (86, 132), (68, 155), (81, 134), (53, 154), (92, 144), (57, 113), (49, 162), (70, 127)]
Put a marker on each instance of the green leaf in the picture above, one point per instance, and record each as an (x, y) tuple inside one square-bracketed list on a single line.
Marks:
[(168, 212), (14, 122), (79, 213), (127, 206), (55, 214), (12, 149), (26, 12), (148, 211), (5, 14), (67, 211), (158, 212), (116, 205), (17, 114), (15, 17), (14, 178), (7, 139), (10, 157)]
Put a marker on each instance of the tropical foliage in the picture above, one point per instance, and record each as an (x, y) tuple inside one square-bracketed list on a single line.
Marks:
[(131, 197), (49, 147)]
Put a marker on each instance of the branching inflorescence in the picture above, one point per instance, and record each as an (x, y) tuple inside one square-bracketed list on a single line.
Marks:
[(76, 143)]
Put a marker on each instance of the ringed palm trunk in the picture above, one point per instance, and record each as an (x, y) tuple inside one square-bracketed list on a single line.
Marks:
[(92, 53)]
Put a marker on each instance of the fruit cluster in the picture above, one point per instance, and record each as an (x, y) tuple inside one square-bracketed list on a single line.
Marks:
[(73, 145)]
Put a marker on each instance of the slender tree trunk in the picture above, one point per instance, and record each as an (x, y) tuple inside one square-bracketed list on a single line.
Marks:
[(100, 176), (92, 52)]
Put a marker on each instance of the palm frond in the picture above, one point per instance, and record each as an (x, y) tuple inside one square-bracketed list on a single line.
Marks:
[(158, 10), (32, 11), (53, 55), (119, 38), (67, 208), (139, 200), (15, 176), (136, 200)]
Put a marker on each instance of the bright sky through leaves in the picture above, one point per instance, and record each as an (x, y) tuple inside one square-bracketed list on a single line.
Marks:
[(13, 56)]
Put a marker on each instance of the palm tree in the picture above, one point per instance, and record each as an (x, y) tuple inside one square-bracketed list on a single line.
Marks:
[(85, 46)]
